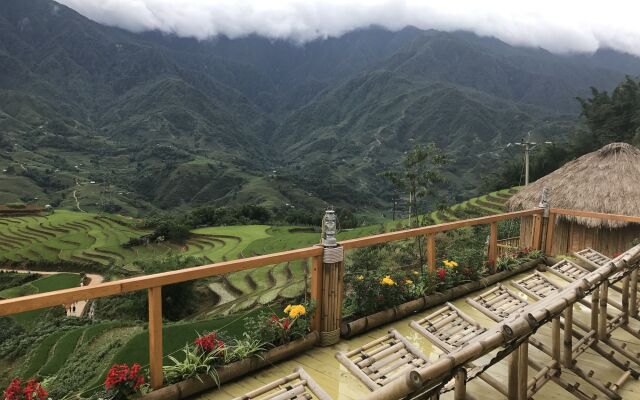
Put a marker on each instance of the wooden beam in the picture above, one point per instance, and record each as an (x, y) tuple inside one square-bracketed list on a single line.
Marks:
[(409, 233), (68, 296), (551, 226), (155, 337), (316, 290), (431, 252), (596, 215), (493, 246)]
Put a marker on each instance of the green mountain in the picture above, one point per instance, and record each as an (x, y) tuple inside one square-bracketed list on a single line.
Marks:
[(98, 118)]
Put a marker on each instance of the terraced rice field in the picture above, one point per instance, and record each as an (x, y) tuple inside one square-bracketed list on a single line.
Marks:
[(492, 203)]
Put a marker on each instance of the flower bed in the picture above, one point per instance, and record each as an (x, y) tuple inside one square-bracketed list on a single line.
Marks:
[(210, 360), (226, 373), (352, 328)]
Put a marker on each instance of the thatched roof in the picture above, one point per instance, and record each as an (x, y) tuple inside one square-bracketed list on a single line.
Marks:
[(607, 180)]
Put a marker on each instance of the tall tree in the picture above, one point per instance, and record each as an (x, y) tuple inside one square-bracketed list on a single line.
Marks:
[(418, 175)]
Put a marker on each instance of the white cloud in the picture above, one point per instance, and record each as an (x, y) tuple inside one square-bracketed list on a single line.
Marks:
[(558, 26)]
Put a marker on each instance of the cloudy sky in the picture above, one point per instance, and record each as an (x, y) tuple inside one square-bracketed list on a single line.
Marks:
[(558, 26)]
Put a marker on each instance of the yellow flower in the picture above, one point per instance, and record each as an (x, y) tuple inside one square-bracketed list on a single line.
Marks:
[(287, 309), (408, 281), (447, 263), (387, 281), (297, 311), (360, 277), (416, 273), (454, 264)]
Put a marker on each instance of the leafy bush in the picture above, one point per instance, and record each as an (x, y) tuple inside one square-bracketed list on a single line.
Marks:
[(373, 291), (274, 330)]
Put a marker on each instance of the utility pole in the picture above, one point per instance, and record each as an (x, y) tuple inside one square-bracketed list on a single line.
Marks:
[(528, 147)]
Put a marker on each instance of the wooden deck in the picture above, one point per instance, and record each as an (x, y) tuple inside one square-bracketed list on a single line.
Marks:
[(323, 367)]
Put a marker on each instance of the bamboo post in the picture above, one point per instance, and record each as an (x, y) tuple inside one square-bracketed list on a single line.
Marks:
[(625, 299), (555, 340), (523, 365), (316, 291), (154, 296), (568, 337), (633, 298), (332, 285), (513, 374), (493, 246), (595, 298), (604, 293), (460, 391), (551, 224), (431, 251)]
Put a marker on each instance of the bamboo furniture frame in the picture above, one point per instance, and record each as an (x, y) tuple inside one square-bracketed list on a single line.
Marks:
[(379, 362), (514, 333), (498, 303), (448, 328), (297, 386)]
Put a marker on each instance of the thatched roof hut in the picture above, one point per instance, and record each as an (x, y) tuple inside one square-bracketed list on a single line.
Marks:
[(608, 181)]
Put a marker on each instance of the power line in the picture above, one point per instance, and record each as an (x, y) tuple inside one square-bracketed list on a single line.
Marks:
[(528, 146)]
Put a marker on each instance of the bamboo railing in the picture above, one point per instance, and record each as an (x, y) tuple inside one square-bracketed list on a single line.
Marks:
[(514, 334), (328, 305)]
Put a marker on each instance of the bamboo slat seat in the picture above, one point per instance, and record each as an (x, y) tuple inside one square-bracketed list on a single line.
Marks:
[(536, 285), (592, 257), (498, 303), (568, 270), (448, 328), (381, 361), (596, 260), (297, 386)]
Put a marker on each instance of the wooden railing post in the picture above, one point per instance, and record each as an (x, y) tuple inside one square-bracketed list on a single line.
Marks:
[(316, 291), (493, 246), (155, 336), (431, 252), (332, 282)]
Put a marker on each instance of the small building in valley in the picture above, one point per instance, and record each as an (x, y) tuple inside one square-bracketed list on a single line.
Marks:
[(607, 181)]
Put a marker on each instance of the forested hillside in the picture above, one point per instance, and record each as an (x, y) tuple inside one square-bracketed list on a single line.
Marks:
[(97, 118)]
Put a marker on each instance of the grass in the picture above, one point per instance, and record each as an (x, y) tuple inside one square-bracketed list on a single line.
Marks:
[(39, 356), (61, 352)]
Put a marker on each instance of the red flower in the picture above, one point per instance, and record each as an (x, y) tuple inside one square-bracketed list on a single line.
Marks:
[(442, 273), (286, 323), (209, 343), (14, 390), (124, 379), (32, 390)]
